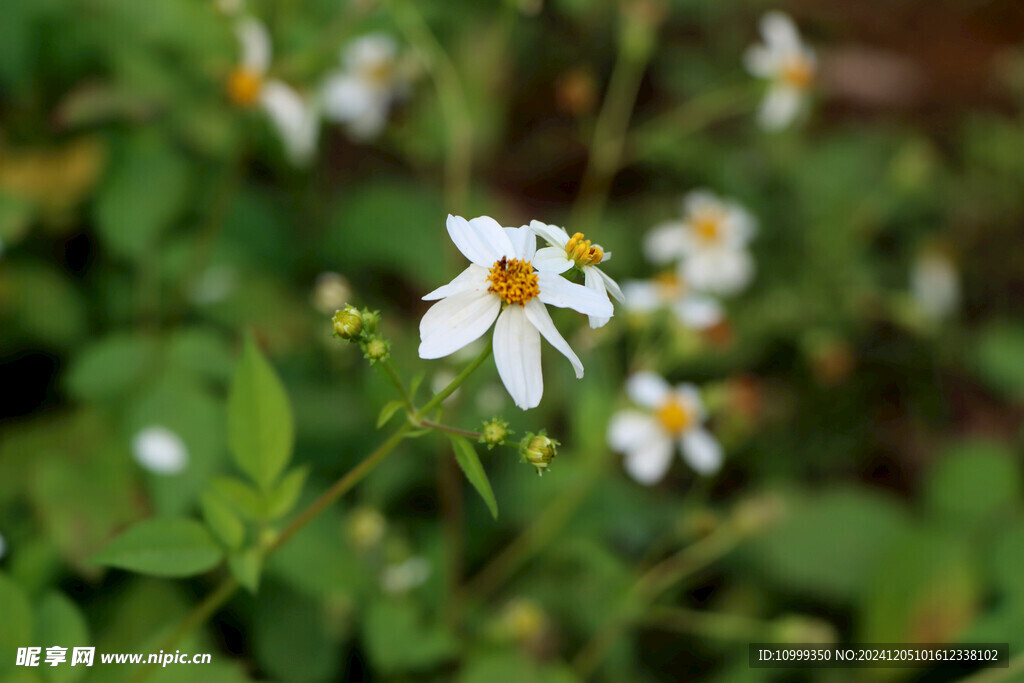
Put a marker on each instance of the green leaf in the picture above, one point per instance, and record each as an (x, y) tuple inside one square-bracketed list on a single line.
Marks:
[(260, 427), (111, 366), (247, 567), (293, 639), (242, 496), (171, 547), (16, 624), (973, 482), (414, 385), (398, 639), (144, 192), (997, 355), (59, 622), (222, 520), (474, 471), (286, 493), (388, 411)]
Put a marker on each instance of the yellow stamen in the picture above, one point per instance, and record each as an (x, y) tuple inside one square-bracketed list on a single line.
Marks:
[(798, 72), (244, 87), (582, 252), (674, 416), (513, 280)]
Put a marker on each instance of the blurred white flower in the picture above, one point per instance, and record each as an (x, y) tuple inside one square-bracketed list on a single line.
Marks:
[(502, 279), (673, 416), (360, 94), (669, 291), (214, 284), (331, 292), (787, 64), (160, 450), (567, 252), (403, 577), (710, 243), (296, 120), (229, 7), (935, 283)]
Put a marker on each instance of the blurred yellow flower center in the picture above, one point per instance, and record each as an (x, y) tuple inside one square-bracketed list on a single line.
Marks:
[(708, 226), (798, 72), (670, 286), (674, 416), (380, 73), (514, 280), (244, 87), (582, 252)]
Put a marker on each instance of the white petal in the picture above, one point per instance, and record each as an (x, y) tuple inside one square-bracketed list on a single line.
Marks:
[(160, 450), (781, 106), (647, 389), (738, 226), (346, 98), (611, 285), (524, 242), (700, 201), (297, 123), (689, 395), (472, 279), (719, 271), (552, 260), (552, 234), (701, 451), (557, 291), (517, 355), (370, 50), (761, 62), (456, 321), (481, 240), (592, 280), (541, 319), (779, 31), (641, 296), (698, 311), (631, 429), (648, 464), (666, 242), (254, 42)]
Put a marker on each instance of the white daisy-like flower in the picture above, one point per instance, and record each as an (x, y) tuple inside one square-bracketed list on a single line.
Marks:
[(331, 292), (397, 579), (296, 120), (160, 450), (502, 284), (567, 252), (935, 283), (787, 64), (669, 291), (673, 416), (361, 93), (709, 242)]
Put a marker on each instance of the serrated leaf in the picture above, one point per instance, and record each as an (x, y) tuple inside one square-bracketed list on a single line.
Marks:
[(474, 471), (222, 520), (260, 426), (388, 411), (286, 493), (247, 567), (171, 547), (243, 497)]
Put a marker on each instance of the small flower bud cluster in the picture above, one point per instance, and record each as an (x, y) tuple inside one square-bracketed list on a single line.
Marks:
[(353, 325), (538, 450), (494, 433)]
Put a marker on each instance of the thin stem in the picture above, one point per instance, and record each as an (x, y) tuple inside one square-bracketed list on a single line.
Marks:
[(392, 373), (449, 429), (453, 385), (717, 625)]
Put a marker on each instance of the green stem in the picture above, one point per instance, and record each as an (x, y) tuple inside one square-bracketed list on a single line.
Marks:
[(453, 385), (716, 625), (449, 429), (392, 373)]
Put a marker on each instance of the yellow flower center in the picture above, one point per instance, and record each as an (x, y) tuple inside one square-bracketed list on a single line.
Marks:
[(670, 286), (514, 280), (708, 226), (244, 87), (674, 416), (582, 252), (380, 73), (798, 73)]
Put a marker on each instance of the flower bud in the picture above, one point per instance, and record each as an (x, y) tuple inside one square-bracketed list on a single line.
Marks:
[(539, 450), (376, 349), (370, 320), (365, 528), (348, 322), (494, 433)]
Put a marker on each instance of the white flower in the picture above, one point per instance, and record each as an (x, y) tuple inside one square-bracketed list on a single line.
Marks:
[(710, 243), (567, 252), (789, 67), (331, 292), (502, 276), (935, 284), (160, 450), (229, 7), (669, 291), (673, 416), (296, 120), (401, 578), (360, 94)]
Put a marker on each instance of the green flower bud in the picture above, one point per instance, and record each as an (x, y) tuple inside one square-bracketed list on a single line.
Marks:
[(370, 320), (348, 322), (376, 349), (494, 433), (539, 450)]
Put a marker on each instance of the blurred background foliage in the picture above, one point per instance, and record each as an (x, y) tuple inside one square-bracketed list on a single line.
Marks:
[(873, 452)]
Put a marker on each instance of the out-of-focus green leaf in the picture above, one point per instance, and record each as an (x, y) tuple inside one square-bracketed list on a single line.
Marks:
[(247, 567), (1000, 347), (388, 411), (16, 624), (143, 193), (1007, 561), (508, 667), (171, 547), (317, 562), (474, 471), (399, 639), (260, 427), (200, 351), (42, 303), (286, 492), (222, 520), (974, 481), (59, 622), (112, 366), (242, 496), (291, 640), (828, 544)]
